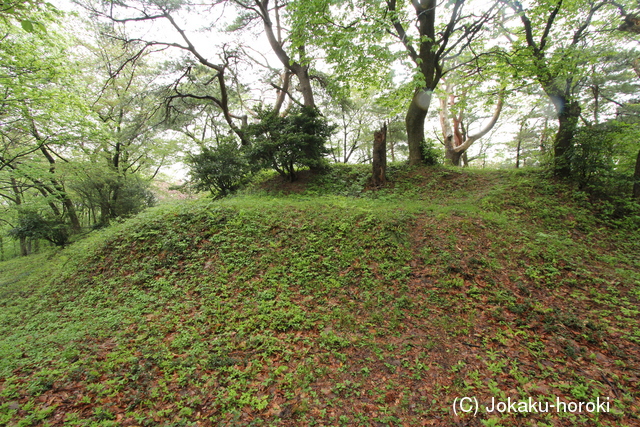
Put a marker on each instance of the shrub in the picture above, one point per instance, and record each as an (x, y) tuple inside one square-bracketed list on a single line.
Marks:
[(602, 163), (34, 226), (220, 170), (114, 195), (289, 143), (430, 154)]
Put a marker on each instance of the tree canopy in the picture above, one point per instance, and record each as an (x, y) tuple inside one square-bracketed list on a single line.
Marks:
[(96, 103)]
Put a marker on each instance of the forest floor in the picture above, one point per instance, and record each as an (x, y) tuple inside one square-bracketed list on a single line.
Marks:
[(446, 298)]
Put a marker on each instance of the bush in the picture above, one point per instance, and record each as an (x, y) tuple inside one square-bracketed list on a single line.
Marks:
[(289, 143), (220, 170), (603, 154), (602, 163), (430, 154), (113, 194), (34, 226)]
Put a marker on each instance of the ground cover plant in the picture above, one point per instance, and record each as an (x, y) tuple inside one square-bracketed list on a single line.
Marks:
[(328, 304)]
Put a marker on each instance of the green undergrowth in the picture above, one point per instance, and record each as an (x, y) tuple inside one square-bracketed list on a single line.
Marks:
[(332, 304)]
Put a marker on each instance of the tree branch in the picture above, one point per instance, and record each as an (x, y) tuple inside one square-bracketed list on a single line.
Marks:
[(401, 34)]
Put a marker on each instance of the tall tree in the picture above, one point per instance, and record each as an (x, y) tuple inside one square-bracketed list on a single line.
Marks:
[(40, 116), (166, 13), (353, 35), (435, 43), (454, 113), (270, 15), (118, 160), (553, 46)]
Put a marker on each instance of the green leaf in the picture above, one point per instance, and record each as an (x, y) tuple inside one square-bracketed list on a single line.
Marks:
[(27, 25)]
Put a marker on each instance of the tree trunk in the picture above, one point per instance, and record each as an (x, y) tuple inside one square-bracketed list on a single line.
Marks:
[(24, 250), (451, 155), (392, 149), (568, 116), (636, 177), (427, 59), (456, 142), (105, 212), (415, 125), (302, 73), (282, 94), (380, 156)]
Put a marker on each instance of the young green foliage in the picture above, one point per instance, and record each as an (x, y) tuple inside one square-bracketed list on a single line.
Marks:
[(288, 143), (220, 170)]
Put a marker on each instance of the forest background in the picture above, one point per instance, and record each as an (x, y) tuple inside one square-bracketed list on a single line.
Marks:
[(105, 105)]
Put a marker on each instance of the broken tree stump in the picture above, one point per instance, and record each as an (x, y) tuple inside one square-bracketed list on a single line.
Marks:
[(380, 157)]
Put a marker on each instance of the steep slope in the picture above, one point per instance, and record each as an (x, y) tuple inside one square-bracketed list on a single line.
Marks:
[(312, 309)]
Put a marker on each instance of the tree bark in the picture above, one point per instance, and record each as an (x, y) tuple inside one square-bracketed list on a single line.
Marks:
[(456, 144), (636, 177), (282, 94), (452, 156), (380, 157), (415, 125), (427, 58), (301, 71), (568, 116)]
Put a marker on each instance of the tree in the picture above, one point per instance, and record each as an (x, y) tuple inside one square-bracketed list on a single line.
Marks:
[(353, 37), (270, 15), (287, 143), (554, 45), (40, 115), (163, 12), (34, 226), (434, 46), (457, 139), (127, 150), (221, 169)]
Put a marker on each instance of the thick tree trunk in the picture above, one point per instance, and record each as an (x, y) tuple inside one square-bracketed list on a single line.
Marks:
[(415, 125), (380, 157), (61, 193), (568, 116), (451, 155), (305, 84), (636, 177)]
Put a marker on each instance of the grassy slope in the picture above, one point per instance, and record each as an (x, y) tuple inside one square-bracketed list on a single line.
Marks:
[(310, 309)]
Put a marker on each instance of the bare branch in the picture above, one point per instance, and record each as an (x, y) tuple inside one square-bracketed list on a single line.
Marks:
[(401, 34)]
